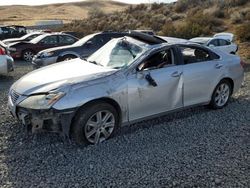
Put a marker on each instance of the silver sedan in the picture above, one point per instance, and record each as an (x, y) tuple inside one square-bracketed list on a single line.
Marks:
[(125, 81)]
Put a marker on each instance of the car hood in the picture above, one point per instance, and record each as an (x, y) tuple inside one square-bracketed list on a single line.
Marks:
[(58, 75), (12, 40), (19, 43)]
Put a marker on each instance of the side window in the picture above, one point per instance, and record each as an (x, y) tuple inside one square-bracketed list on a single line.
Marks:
[(49, 40), (99, 40), (158, 60), (214, 42), (194, 55), (224, 42), (64, 39)]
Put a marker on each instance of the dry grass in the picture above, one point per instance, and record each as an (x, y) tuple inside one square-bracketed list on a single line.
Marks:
[(28, 15)]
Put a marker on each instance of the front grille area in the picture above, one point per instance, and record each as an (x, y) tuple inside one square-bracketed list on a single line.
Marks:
[(14, 96)]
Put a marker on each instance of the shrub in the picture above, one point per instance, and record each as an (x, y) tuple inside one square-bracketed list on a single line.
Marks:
[(236, 2), (215, 12), (243, 32), (236, 18)]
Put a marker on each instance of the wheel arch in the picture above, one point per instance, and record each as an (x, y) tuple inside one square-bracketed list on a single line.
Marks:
[(69, 53), (230, 80), (108, 100)]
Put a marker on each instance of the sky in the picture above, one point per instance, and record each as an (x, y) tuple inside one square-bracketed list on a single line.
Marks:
[(40, 2)]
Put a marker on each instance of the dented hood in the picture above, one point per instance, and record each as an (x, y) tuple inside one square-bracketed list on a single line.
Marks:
[(58, 75)]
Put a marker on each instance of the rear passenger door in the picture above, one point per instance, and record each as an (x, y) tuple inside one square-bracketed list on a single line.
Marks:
[(201, 71)]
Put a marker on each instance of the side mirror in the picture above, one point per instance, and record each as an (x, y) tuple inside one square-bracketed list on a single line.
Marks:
[(89, 43)]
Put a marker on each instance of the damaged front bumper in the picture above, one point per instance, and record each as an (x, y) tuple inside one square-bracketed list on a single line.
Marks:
[(51, 120)]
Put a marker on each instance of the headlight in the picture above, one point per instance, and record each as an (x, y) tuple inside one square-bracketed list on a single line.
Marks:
[(39, 102), (46, 54)]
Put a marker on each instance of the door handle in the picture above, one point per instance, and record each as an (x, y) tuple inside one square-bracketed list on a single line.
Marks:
[(176, 74), (218, 66)]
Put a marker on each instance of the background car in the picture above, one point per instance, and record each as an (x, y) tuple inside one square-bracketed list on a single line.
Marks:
[(125, 81), (82, 48), (222, 41), (27, 37), (27, 50), (11, 31), (6, 62)]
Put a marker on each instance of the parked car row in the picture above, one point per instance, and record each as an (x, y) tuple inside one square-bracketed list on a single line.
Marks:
[(6, 61), (127, 77), (12, 31), (221, 41)]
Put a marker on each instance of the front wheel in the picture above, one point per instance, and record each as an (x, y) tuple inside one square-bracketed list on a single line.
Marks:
[(67, 58), (28, 55), (221, 95), (95, 123)]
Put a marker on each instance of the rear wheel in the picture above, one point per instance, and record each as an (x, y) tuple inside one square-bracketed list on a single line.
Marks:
[(28, 55), (95, 123), (221, 95)]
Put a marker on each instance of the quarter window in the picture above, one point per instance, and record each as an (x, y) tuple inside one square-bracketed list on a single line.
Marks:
[(223, 42)]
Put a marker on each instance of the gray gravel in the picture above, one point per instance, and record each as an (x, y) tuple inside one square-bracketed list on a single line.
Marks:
[(194, 148)]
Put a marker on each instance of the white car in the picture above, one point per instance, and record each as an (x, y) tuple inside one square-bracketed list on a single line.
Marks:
[(6, 62), (222, 41)]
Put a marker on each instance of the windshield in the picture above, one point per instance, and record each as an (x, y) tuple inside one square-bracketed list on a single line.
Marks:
[(37, 39), (200, 40), (83, 40), (27, 36), (116, 54)]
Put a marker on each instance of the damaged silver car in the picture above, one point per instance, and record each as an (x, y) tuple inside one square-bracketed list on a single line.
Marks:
[(125, 81)]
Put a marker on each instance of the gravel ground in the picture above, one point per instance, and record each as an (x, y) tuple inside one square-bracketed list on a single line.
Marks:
[(194, 148)]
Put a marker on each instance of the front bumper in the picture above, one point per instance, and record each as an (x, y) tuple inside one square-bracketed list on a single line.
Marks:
[(50, 120), (40, 62), (45, 120), (16, 55)]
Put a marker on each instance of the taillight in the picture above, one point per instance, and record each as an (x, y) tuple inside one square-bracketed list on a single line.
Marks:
[(2, 51), (242, 63)]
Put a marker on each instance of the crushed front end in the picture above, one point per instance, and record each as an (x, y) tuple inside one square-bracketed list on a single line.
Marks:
[(39, 120)]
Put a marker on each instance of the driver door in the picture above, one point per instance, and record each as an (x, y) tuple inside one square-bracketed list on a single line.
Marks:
[(144, 99)]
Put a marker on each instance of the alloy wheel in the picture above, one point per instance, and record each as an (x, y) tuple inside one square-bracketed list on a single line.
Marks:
[(99, 126), (28, 55), (222, 94)]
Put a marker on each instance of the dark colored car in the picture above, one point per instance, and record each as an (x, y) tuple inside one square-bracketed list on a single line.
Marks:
[(12, 32), (27, 37), (84, 47), (27, 50)]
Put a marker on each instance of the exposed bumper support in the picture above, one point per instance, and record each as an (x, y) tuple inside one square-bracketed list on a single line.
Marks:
[(46, 120)]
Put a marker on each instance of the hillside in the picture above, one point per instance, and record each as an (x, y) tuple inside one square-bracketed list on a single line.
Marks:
[(185, 19), (28, 15)]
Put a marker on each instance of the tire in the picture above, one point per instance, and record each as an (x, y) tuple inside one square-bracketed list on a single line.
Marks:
[(28, 55), (221, 95), (87, 129), (66, 58)]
